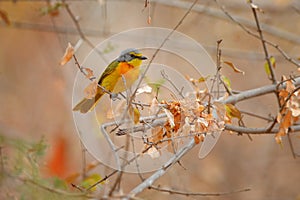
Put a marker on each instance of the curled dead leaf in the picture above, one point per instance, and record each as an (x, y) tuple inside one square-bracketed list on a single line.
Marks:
[(235, 69), (89, 73), (149, 20), (68, 54), (4, 17), (290, 87)]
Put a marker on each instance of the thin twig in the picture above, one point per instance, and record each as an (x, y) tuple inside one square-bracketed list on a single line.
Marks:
[(261, 37), (166, 77), (276, 46), (160, 46), (175, 191), (81, 69), (294, 38), (2, 169), (269, 119), (149, 181), (83, 157), (291, 145), (81, 34), (53, 190)]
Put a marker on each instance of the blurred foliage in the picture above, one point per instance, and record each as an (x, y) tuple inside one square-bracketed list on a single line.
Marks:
[(22, 176)]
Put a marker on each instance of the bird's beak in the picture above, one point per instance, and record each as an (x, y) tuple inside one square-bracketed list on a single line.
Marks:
[(143, 58)]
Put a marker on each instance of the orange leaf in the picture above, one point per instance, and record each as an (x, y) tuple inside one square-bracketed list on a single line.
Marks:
[(91, 90), (4, 17), (57, 164), (196, 139), (68, 54), (283, 93), (235, 69), (286, 121)]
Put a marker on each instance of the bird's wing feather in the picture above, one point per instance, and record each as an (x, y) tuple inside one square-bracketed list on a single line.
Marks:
[(110, 68)]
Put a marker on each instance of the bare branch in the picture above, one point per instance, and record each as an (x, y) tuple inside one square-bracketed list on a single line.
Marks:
[(149, 181), (255, 92), (266, 130), (276, 46), (78, 28), (53, 190), (261, 36), (172, 191), (219, 14)]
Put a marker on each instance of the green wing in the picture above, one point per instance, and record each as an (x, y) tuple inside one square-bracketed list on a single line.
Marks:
[(109, 69)]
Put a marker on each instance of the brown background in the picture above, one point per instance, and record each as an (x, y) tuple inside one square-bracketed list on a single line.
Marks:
[(36, 92)]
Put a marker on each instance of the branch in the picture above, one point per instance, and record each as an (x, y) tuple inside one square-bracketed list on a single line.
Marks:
[(81, 34), (276, 46), (172, 191), (53, 190), (149, 181), (219, 14), (255, 92), (261, 37), (266, 130)]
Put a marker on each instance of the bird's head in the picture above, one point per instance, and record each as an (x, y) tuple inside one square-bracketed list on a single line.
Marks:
[(131, 56)]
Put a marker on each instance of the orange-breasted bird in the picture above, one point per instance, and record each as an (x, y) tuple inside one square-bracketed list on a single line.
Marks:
[(127, 65)]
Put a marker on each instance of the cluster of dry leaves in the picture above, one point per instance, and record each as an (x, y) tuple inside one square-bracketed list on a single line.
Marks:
[(290, 108), (191, 117)]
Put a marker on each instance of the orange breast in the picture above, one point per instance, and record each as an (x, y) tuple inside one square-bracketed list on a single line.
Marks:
[(124, 67)]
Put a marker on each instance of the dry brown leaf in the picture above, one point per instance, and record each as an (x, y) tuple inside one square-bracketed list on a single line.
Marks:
[(235, 69), (286, 121), (170, 117), (283, 93), (4, 17), (89, 73), (278, 118), (91, 90), (196, 139), (153, 152), (154, 108), (68, 54), (294, 105), (290, 87), (149, 20)]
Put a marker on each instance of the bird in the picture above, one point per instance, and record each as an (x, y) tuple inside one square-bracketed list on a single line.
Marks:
[(119, 75)]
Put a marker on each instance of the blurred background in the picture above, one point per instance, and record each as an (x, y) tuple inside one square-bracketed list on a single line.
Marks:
[(36, 92)]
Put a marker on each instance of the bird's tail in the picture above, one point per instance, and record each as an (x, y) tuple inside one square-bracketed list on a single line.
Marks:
[(87, 105)]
